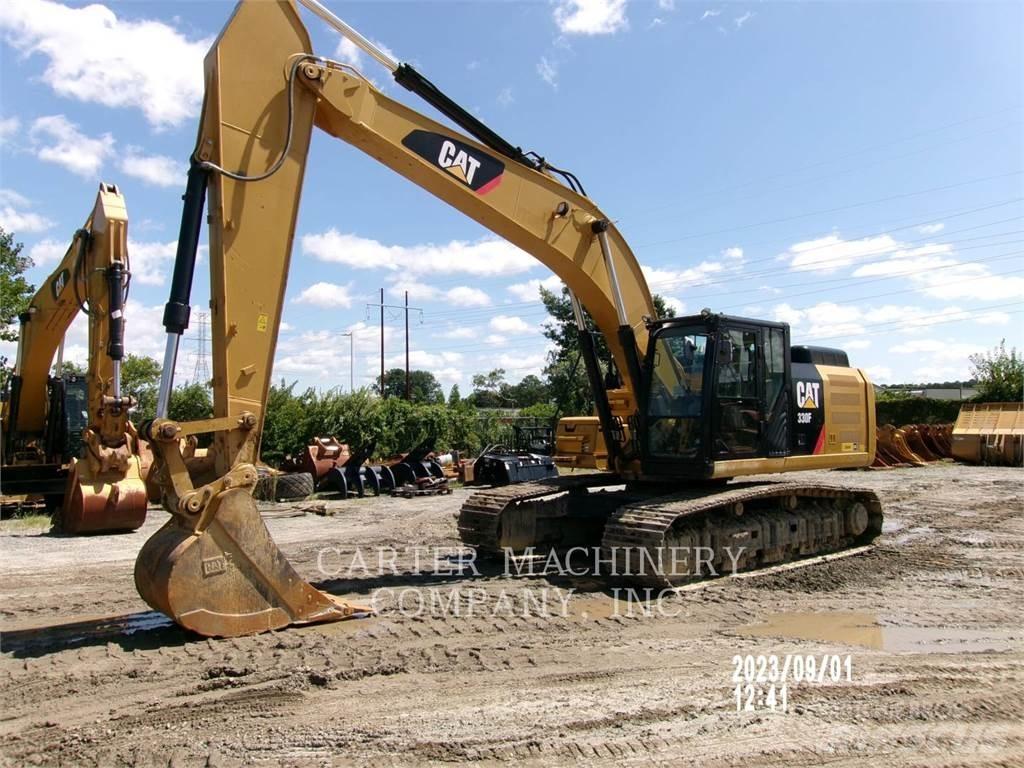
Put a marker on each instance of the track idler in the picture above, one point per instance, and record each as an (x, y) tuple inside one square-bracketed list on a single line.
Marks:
[(214, 568)]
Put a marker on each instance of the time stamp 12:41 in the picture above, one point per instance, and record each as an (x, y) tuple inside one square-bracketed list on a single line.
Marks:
[(762, 682)]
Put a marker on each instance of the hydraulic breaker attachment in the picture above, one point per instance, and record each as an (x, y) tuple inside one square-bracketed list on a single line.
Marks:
[(213, 568)]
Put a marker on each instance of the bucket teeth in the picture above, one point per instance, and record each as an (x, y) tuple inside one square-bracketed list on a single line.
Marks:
[(231, 579)]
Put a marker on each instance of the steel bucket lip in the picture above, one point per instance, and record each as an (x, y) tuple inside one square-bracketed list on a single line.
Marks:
[(231, 579)]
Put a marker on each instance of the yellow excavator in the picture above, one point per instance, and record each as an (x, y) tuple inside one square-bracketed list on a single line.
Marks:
[(683, 405), (68, 438)]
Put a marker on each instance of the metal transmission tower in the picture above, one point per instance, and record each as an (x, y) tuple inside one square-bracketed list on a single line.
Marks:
[(201, 373)]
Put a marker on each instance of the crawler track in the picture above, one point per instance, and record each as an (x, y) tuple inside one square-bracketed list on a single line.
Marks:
[(693, 535), (665, 541)]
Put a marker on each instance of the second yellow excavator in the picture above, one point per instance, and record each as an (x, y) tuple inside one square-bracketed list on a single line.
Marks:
[(683, 405), (68, 438)]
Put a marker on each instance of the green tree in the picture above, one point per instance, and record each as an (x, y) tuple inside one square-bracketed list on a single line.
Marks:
[(140, 378), (530, 390), (15, 291), (565, 371), (454, 397), (487, 390), (71, 368), (1000, 375), (191, 403), (423, 386)]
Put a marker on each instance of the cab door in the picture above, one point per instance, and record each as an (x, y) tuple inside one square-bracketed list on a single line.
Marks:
[(737, 401), (774, 343)]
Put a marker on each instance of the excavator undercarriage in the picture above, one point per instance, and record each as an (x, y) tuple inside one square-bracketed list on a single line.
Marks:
[(659, 539)]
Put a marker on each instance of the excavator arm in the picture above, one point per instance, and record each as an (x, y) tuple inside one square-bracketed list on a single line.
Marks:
[(251, 153), (104, 491)]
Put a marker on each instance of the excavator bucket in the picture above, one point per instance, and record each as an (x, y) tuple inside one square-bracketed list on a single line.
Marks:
[(98, 506), (990, 433), (229, 579)]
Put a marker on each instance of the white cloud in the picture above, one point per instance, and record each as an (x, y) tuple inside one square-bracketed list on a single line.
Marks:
[(14, 217), (8, 127), (739, 21), (548, 71), (970, 281), (677, 306), (855, 344), (931, 229), (487, 256), (47, 252), (94, 56), (348, 52), (709, 14), (530, 290), (505, 97), (507, 324), (459, 333), (57, 140), (590, 17), (668, 278), (880, 374), (329, 295), (830, 253), (902, 267), (149, 261), (159, 170), (464, 296), (733, 253), (495, 339), (667, 5)]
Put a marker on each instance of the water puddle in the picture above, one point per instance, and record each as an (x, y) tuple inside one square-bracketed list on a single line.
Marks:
[(864, 629)]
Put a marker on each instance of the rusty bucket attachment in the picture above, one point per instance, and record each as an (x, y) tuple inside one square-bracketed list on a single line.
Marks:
[(354, 477), (97, 505), (219, 573), (318, 458)]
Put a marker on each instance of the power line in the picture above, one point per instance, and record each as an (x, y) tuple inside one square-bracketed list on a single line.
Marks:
[(852, 153), (750, 275), (836, 209)]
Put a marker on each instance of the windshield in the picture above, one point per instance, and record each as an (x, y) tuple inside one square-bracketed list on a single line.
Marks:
[(675, 401)]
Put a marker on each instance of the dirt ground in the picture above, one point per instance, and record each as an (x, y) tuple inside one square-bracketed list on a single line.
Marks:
[(930, 618)]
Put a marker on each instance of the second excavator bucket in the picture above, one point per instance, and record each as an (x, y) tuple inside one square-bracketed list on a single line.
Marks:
[(990, 433), (95, 506), (229, 578)]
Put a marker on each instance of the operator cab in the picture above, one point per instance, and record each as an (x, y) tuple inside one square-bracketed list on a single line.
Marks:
[(717, 388)]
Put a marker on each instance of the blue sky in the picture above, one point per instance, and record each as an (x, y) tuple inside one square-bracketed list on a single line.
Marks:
[(856, 169)]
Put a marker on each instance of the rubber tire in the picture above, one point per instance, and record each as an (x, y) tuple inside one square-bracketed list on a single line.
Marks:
[(291, 486)]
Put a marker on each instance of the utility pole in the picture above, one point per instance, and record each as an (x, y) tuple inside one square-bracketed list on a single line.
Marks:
[(403, 307), (351, 360), (383, 391), (407, 389)]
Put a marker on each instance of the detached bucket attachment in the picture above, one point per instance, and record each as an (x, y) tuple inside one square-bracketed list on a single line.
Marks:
[(354, 477), (417, 464), (226, 577), (94, 506), (989, 433), (318, 458)]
